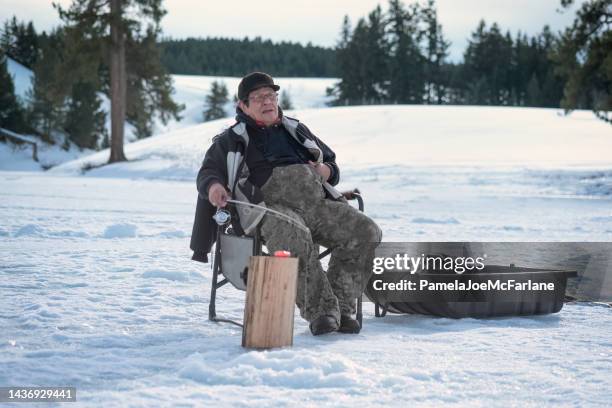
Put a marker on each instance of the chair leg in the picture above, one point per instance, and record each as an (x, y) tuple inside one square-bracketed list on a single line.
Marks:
[(380, 310), (212, 313)]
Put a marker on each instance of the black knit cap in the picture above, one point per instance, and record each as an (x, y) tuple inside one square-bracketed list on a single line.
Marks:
[(253, 81)]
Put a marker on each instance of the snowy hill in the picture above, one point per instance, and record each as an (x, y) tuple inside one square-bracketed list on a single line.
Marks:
[(404, 136), (18, 157), (190, 91)]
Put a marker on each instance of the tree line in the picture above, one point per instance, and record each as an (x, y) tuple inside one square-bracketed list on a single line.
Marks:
[(396, 56), (401, 57), (235, 57)]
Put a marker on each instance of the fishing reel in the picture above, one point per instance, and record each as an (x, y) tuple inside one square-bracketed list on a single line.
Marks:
[(222, 217)]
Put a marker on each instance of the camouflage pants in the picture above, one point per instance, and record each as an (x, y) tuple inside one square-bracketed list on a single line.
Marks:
[(297, 191)]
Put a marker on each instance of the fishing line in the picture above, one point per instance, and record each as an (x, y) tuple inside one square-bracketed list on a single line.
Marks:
[(273, 213)]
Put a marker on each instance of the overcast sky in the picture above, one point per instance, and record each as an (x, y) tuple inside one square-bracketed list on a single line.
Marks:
[(316, 21)]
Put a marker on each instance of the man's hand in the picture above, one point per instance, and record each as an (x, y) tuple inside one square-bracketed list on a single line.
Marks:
[(218, 195), (322, 169)]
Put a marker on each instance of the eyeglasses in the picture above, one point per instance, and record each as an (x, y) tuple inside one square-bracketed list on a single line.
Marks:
[(260, 99)]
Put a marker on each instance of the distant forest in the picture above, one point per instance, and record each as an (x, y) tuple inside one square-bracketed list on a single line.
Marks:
[(398, 55), (233, 57)]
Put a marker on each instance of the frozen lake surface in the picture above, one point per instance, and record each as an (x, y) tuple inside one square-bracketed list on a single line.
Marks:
[(97, 291)]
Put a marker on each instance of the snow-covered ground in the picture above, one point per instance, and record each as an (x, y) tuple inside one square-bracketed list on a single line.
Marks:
[(97, 289), (18, 157)]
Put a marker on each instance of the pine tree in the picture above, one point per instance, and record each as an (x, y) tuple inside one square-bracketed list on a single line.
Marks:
[(551, 82), (5, 37), (488, 66), (85, 120), (583, 57), (216, 101), (27, 44), (475, 67), (20, 41), (48, 95), (113, 24), (399, 43), (437, 51), (367, 50), (407, 63), (522, 68), (376, 58), (285, 101), (149, 88), (11, 112), (344, 92)]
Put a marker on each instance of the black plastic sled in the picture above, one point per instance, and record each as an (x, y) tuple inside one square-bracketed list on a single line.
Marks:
[(481, 302)]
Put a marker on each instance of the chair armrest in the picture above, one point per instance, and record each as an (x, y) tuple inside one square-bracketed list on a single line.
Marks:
[(351, 194)]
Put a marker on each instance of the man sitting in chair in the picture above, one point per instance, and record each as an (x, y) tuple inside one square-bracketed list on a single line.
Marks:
[(270, 159)]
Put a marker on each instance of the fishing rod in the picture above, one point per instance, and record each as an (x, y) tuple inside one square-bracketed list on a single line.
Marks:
[(223, 216)]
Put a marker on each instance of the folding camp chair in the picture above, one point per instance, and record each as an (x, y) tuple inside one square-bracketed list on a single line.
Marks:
[(231, 259)]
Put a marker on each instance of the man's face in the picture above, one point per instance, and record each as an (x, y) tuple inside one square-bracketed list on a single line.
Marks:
[(263, 105)]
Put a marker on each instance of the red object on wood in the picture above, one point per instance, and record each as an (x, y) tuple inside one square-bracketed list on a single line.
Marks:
[(282, 254)]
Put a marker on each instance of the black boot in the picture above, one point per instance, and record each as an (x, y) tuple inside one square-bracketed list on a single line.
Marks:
[(323, 324), (349, 325)]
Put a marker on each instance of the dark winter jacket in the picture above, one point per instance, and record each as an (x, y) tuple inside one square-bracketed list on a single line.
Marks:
[(237, 164)]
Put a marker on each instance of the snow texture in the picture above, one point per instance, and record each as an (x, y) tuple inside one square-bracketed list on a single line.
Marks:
[(97, 289)]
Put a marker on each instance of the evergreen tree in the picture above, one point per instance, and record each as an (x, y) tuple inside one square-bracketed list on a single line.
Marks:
[(475, 67), (497, 69), (115, 24), (48, 95), (344, 92), (85, 120), (27, 45), (583, 57), (216, 101), (437, 51), (522, 69), (5, 37), (551, 82), (11, 112), (386, 59), (20, 41), (149, 88), (407, 64), (376, 59), (285, 101), (488, 66), (367, 53)]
